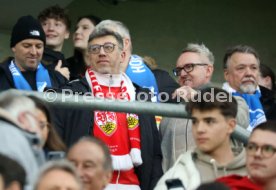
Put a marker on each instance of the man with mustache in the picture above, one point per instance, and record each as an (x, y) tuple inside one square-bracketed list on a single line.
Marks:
[(241, 72)]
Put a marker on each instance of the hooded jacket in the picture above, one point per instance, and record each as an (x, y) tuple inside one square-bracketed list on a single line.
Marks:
[(195, 167)]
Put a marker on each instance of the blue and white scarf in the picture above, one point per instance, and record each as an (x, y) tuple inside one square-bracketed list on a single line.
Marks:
[(256, 112), (139, 73), (42, 78)]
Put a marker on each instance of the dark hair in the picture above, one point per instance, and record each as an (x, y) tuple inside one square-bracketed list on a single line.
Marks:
[(239, 49), (213, 186), (94, 19), (266, 126), (11, 171), (105, 32), (107, 165), (79, 65), (55, 12), (53, 141), (227, 106), (267, 71)]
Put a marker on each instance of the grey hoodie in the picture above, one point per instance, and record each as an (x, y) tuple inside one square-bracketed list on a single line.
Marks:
[(210, 170), (194, 168)]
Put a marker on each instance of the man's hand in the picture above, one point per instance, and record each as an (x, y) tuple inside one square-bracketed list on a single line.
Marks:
[(63, 70), (184, 92)]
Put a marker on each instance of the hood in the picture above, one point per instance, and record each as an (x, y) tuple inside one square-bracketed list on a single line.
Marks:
[(205, 161)]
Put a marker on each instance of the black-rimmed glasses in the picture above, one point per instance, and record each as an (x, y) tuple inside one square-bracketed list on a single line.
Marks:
[(95, 49), (267, 151), (187, 68)]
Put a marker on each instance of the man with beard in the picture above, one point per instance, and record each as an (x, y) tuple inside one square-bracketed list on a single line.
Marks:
[(241, 72)]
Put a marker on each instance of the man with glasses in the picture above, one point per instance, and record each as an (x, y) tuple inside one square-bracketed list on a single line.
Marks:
[(132, 65), (132, 139), (194, 69), (260, 161)]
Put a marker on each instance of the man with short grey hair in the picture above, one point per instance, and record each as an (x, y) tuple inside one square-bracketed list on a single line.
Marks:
[(92, 151), (194, 69), (58, 174)]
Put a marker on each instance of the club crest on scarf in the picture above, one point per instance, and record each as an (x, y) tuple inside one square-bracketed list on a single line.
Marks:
[(132, 121), (120, 131), (106, 121)]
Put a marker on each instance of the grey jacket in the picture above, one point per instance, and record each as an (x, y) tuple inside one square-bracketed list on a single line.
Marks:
[(21, 146), (176, 135)]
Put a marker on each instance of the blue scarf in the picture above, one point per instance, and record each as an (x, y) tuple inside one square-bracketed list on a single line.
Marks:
[(256, 112), (139, 73), (42, 78)]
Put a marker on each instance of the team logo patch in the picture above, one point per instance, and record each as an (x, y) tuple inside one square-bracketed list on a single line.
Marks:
[(106, 121), (132, 120)]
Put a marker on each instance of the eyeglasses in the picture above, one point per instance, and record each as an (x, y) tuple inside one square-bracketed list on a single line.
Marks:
[(95, 49), (267, 151), (187, 68)]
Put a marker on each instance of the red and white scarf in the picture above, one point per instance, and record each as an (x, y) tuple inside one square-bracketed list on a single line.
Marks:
[(122, 127)]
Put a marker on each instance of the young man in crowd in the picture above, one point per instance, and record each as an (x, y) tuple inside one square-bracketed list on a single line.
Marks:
[(56, 25), (260, 161), (213, 121)]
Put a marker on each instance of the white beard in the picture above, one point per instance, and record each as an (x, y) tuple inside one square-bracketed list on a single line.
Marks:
[(248, 88)]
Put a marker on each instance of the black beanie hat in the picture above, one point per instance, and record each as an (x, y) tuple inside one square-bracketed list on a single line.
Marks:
[(27, 27)]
